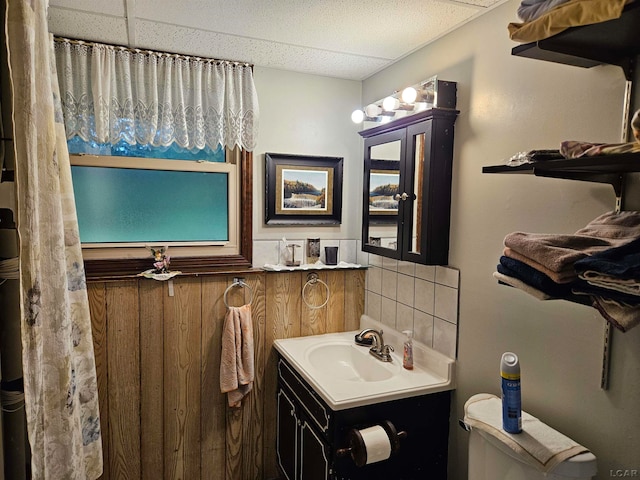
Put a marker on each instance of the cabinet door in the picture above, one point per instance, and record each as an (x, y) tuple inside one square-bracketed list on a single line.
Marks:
[(429, 171), (381, 226), (416, 206), (314, 455), (287, 436)]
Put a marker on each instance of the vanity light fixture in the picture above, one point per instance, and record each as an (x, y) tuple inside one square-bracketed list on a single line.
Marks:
[(416, 98)]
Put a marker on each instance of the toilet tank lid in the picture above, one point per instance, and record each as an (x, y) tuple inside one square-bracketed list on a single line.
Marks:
[(538, 445), (582, 466)]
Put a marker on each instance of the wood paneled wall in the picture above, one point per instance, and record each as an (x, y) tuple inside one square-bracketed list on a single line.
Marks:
[(157, 351)]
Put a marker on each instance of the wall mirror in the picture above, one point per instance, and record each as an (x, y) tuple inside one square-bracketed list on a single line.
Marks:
[(383, 191)]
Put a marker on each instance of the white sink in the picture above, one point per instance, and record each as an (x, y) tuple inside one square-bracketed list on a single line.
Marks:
[(346, 375), (348, 362)]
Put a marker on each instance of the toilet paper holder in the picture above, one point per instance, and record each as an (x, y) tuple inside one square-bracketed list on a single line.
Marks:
[(357, 448)]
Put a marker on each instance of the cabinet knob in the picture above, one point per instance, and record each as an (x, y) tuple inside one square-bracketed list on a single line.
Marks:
[(402, 197)]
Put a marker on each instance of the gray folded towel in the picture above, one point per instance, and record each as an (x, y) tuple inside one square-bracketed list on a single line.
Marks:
[(623, 317), (557, 252)]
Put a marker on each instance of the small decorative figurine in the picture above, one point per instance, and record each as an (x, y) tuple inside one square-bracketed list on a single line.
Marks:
[(160, 270), (161, 259)]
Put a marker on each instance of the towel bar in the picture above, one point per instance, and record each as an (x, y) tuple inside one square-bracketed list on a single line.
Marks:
[(312, 279), (238, 282)]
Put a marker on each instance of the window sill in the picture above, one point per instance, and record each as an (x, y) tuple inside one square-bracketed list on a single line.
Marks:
[(129, 268)]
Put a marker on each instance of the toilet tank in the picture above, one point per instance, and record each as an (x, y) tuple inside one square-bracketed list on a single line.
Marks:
[(490, 459)]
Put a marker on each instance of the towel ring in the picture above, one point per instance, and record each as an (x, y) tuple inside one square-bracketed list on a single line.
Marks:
[(312, 279), (238, 282)]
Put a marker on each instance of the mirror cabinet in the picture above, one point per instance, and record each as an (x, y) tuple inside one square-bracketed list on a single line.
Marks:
[(407, 187)]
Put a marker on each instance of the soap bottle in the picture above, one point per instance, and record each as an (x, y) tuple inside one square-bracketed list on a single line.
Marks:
[(407, 357), (511, 394)]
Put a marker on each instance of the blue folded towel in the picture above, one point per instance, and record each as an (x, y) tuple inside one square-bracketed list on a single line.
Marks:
[(622, 262), (535, 278)]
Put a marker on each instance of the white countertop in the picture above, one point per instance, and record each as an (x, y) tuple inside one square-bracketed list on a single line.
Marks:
[(432, 372)]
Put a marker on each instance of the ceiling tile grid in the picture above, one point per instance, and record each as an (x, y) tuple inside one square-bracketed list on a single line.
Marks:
[(258, 52), (351, 39)]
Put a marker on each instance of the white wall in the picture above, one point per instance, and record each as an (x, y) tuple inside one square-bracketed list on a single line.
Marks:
[(308, 115), (509, 104)]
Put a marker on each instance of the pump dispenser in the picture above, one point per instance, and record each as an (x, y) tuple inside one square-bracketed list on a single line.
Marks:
[(511, 395), (407, 358)]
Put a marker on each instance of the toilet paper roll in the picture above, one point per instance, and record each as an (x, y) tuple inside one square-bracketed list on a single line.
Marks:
[(376, 443)]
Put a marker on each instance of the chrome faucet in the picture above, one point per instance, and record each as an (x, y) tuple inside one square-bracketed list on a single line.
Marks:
[(378, 348)]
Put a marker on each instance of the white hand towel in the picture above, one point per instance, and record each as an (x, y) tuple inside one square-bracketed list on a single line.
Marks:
[(538, 444), (236, 362)]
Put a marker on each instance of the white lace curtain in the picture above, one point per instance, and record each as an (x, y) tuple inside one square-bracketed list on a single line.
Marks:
[(111, 94)]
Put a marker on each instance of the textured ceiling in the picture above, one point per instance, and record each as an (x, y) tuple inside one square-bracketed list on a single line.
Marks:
[(351, 39)]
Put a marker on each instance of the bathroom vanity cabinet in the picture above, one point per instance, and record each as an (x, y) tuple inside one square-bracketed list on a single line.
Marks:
[(310, 433), (407, 187)]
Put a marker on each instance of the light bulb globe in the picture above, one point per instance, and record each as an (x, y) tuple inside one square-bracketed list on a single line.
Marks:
[(357, 116), (372, 110), (409, 95), (390, 104)]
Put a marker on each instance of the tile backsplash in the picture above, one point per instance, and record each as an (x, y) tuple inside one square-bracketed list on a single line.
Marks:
[(403, 295), (408, 296)]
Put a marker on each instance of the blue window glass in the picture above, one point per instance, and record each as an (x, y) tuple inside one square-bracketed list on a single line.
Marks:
[(122, 149), (130, 205)]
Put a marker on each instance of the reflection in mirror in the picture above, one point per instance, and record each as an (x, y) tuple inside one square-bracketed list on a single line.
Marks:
[(418, 174), (384, 181)]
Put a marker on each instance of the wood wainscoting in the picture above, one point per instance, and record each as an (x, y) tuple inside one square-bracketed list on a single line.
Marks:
[(157, 350)]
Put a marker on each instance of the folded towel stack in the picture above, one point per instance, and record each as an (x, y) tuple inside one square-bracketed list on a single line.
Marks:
[(599, 265)]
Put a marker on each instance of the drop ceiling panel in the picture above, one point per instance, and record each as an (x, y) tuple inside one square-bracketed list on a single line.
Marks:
[(346, 39), (87, 26), (375, 28), (110, 7), (258, 52)]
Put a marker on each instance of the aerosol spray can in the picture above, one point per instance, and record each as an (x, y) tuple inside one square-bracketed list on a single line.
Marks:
[(511, 395)]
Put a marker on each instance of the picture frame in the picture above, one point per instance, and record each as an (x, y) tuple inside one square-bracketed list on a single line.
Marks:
[(303, 190)]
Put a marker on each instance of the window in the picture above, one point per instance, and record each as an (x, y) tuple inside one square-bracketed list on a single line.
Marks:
[(160, 150), (196, 207)]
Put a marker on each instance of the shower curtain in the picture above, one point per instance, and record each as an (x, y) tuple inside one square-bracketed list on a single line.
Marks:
[(61, 394)]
